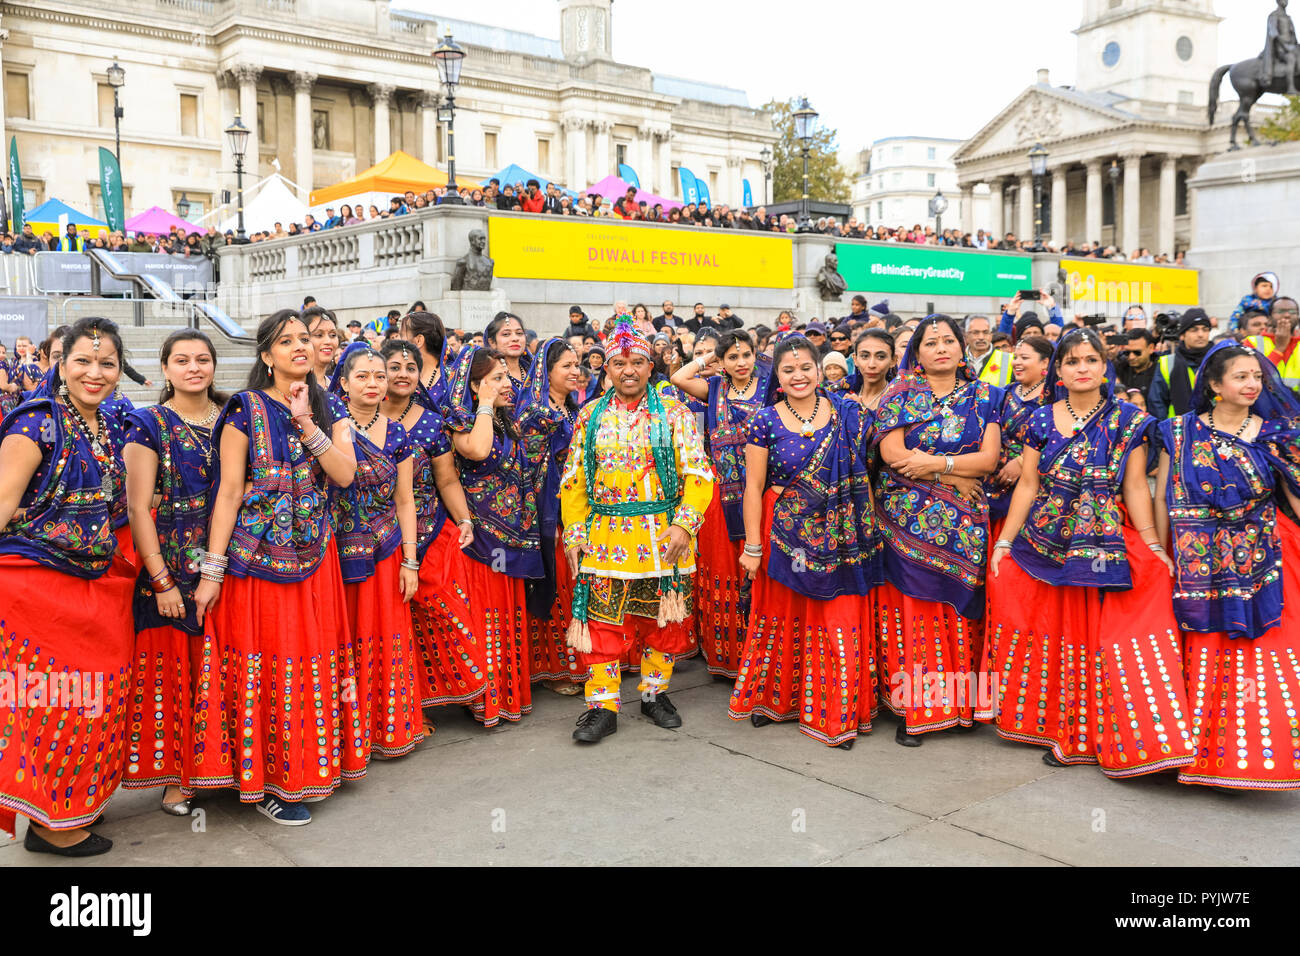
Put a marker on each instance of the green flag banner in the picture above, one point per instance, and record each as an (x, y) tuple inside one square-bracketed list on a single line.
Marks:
[(926, 271), (110, 190), (16, 185)]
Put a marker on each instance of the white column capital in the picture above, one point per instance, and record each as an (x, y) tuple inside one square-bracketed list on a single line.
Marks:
[(381, 92), (429, 99), (246, 74), (302, 81)]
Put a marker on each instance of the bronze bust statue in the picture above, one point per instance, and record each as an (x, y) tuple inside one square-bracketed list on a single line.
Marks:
[(829, 280), (473, 271), (1273, 71)]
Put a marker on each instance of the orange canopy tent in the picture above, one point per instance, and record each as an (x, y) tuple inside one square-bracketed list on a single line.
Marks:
[(388, 177)]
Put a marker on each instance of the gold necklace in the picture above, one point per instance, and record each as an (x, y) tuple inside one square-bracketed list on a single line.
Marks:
[(205, 447)]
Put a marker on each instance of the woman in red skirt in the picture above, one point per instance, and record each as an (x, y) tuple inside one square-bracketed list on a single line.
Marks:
[(451, 663), (1083, 653), (547, 411), (808, 652), (1237, 568), (506, 551), (170, 472), (374, 519), (937, 434), (731, 383), (65, 631), (276, 640)]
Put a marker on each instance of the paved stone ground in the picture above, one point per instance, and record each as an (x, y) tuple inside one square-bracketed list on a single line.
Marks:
[(715, 792)]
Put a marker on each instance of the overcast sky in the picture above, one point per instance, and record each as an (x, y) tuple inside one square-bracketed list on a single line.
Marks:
[(871, 68)]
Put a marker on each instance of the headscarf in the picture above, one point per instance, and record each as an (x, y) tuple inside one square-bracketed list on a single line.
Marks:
[(336, 377), (459, 409), (1275, 400), (533, 404)]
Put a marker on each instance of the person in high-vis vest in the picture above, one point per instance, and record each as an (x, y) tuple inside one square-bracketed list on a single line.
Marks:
[(1175, 378), (1279, 345), (997, 370)]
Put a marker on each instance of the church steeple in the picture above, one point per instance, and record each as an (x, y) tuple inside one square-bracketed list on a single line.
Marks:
[(1156, 51), (586, 30)]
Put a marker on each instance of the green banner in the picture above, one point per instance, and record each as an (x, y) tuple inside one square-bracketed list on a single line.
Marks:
[(110, 190), (16, 185), (928, 271)]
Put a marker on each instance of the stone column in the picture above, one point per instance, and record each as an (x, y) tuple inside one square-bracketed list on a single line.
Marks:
[(1060, 233), (600, 165), (247, 75), (382, 94), (967, 193), (575, 152), (1025, 208), (734, 186), (227, 106), (429, 126), (1092, 202), (1132, 202), (302, 132), (664, 184), (996, 224), (645, 163), (1168, 198)]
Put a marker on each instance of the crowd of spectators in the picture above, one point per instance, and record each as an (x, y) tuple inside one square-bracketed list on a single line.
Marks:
[(176, 241)]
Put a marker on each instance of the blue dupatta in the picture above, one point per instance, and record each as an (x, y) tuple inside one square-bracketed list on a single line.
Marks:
[(936, 543), (66, 525), (499, 490), (824, 541)]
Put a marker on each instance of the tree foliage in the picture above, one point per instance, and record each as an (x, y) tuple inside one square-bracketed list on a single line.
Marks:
[(1284, 127), (828, 181)]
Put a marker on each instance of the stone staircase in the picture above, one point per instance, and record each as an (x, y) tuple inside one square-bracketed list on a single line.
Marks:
[(144, 325)]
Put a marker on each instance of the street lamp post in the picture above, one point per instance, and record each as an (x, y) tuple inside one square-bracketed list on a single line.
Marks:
[(449, 57), (183, 206), (1038, 167), (938, 206), (117, 79), (238, 135), (766, 157), (805, 118)]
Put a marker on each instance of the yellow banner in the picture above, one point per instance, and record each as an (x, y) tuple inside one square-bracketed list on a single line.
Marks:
[(584, 250), (1105, 282)]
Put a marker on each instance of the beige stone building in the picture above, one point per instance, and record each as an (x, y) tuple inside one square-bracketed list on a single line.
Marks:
[(1122, 142), (330, 86)]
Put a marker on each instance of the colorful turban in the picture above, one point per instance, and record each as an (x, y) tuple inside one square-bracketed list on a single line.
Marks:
[(627, 341)]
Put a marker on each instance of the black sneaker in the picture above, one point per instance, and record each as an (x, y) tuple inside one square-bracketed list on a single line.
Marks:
[(596, 723), (661, 710)]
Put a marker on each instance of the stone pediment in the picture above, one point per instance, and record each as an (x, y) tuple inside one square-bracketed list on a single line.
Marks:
[(1041, 114)]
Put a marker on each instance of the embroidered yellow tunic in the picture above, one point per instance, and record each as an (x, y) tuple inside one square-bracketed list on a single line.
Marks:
[(626, 547)]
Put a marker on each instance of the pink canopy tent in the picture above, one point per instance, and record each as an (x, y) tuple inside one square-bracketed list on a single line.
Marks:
[(155, 221), (611, 187)]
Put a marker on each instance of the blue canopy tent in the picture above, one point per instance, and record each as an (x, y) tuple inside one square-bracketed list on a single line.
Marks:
[(513, 174), (46, 217)]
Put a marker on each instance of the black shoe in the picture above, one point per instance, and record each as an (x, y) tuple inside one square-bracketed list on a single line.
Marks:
[(93, 845), (1049, 758), (661, 710), (595, 724), (902, 737), (963, 729), (759, 720), (847, 745)]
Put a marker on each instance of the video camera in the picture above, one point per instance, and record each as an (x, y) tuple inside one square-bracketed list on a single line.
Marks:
[(1167, 325)]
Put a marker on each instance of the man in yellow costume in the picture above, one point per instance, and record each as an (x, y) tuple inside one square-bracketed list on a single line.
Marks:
[(635, 488)]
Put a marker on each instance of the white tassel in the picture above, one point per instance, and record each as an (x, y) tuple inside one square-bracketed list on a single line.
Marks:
[(578, 636)]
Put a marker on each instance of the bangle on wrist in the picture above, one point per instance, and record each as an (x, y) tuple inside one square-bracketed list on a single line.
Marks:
[(949, 462), (1001, 544)]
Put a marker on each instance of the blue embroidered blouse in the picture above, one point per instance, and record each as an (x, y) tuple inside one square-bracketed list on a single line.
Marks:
[(365, 513), (184, 489)]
